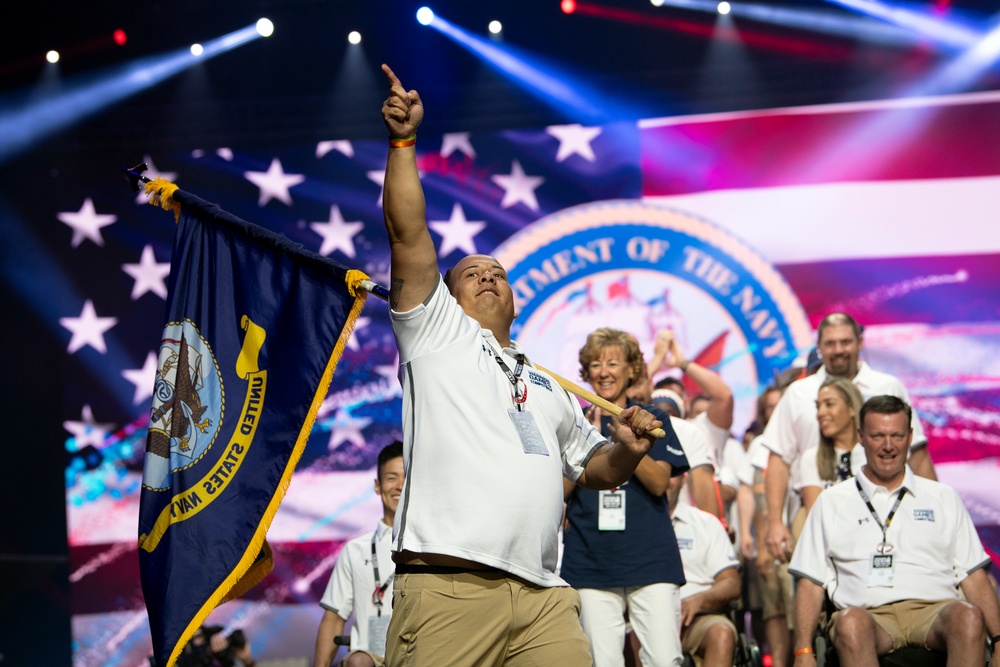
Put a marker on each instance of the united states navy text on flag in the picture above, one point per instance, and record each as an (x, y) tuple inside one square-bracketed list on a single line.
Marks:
[(254, 328)]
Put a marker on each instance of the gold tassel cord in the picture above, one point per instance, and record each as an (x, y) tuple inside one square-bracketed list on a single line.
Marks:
[(354, 279), (161, 193)]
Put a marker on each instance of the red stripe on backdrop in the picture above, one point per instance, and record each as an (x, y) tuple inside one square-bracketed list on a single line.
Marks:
[(105, 577), (837, 143), (925, 290)]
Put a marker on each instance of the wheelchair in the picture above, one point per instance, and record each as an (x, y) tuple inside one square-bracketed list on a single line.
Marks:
[(908, 656), (746, 654)]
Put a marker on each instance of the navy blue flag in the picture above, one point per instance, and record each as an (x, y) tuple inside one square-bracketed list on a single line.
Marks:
[(254, 328)]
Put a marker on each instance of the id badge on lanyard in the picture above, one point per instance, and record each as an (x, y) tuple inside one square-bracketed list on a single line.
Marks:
[(611, 511), (881, 570), (378, 628)]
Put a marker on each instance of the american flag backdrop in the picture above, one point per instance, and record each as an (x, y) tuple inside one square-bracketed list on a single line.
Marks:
[(887, 210)]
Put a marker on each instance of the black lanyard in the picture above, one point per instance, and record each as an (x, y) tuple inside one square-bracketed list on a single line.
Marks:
[(520, 387), (379, 589), (888, 519), (844, 467)]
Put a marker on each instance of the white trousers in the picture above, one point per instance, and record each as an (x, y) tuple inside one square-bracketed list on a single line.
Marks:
[(654, 612)]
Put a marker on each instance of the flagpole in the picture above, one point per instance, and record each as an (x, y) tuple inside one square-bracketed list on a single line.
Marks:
[(134, 174), (381, 292)]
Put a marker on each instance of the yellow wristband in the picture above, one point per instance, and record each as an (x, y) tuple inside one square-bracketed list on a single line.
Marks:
[(403, 143), (804, 650)]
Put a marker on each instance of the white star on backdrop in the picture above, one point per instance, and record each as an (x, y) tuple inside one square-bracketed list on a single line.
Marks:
[(152, 172), (574, 139), (457, 232), (391, 374), (225, 153), (143, 378), (347, 428), (337, 234), (87, 223), (359, 324), (148, 274), (88, 329), (379, 178), (274, 183), (87, 431), (340, 145), (518, 187), (457, 141)]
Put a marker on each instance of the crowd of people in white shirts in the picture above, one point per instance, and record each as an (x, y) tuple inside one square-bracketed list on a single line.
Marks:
[(738, 512)]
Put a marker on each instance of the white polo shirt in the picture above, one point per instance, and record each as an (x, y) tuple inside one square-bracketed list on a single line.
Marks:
[(695, 450), (705, 548), (471, 490), (807, 472), (715, 436), (935, 545), (693, 441), (756, 457), (793, 427), (349, 591)]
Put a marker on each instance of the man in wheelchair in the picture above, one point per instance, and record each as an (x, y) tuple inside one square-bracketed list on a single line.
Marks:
[(892, 551), (713, 582)]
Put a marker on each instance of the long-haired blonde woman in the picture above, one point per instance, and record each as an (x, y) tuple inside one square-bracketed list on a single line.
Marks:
[(837, 456)]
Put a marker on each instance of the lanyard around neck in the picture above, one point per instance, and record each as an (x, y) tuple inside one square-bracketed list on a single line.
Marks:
[(380, 589), (892, 512), (520, 387)]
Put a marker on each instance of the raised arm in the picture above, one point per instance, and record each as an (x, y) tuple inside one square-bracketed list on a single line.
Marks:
[(413, 258), (720, 396)]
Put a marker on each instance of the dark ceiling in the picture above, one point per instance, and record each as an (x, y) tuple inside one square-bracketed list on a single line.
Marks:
[(302, 82)]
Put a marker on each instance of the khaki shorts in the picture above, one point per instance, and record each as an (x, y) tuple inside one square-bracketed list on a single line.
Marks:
[(376, 658), (693, 635), (471, 619), (776, 595), (907, 622)]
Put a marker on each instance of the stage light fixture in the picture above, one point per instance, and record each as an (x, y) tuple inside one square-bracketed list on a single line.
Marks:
[(425, 15), (120, 37), (568, 6), (197, 49), (723, 8), (354, 37), (52, 57), (265, 28), (30, 115), (495, 27)]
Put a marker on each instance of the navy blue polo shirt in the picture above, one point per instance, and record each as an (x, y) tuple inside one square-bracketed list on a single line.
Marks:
[(642, 554)]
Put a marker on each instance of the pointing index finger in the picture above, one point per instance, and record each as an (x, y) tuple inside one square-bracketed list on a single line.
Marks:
[(391, 76)]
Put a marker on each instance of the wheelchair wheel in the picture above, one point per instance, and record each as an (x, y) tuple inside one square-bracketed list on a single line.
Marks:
[(747, 653)]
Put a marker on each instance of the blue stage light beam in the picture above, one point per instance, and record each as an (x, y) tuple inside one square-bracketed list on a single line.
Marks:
[(42, 283), (560, 89), (27, 117), (962, 71), (930, 25), (814, 20), (888, 129)]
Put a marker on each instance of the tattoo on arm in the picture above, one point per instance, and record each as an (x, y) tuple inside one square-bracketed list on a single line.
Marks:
[(395, 290), (760, 499)]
